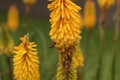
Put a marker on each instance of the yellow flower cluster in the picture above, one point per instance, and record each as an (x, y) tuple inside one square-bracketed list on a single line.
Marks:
[(106, 4), (89, 14), (29, 2), (26, 62), (13, 18), (78, 57), (65, 23)]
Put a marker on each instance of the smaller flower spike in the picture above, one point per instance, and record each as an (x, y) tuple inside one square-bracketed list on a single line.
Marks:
[(89, 14), (26, 62), (13, 18)]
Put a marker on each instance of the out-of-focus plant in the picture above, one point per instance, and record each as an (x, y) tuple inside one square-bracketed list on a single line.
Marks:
[(117, 26), (116, 40), (65, 30), (6, 40), (28, 4), (13, 18), (26, 62), (89, 20), (104, 6), (78, 57), (6, 46), (89, 14)]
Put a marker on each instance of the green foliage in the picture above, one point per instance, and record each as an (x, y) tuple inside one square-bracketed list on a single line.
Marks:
[(97, 67)]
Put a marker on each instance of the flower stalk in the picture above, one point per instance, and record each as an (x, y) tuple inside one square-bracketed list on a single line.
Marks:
[(65, 30), (10, 71), (66, 68), (104, 6), (117, 26), (102, 25), (28, 4), (116, 36)]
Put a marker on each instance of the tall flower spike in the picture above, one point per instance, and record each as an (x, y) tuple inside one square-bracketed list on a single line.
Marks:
[(106, 4), (13, 18), (65, 23), (89, 14), (26, 62), (65, 30)]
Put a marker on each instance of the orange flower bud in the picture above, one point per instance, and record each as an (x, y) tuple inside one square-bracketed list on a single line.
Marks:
[(89, 14)]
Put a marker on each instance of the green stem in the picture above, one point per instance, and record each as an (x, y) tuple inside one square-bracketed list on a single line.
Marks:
[(27, 11), (10, 68), (102, 24), (116, 35), (88, 41), (117, 27)]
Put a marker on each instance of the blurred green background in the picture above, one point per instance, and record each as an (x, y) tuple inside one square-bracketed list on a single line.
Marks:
[(98, 65)]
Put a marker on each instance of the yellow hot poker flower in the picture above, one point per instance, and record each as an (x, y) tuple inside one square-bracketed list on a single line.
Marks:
[(65, 30), (65, 23), (26, 62), (78, 57), (105, 4), (29, 2), (13, 18), (89, 14)]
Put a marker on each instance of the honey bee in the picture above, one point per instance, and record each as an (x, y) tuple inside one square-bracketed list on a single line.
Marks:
[(52, 45)]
